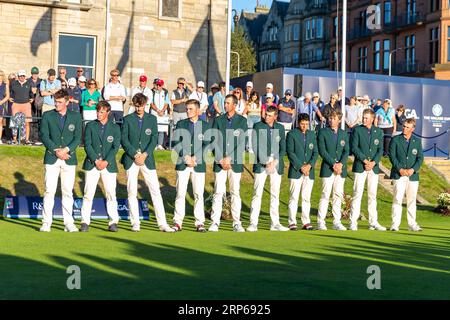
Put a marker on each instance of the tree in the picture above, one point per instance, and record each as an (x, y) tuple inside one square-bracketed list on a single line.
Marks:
[(241, 45)]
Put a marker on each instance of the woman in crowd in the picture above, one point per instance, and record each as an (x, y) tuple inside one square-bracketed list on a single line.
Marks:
[(241, 107), (4, 97), (385, 120), (89, 100), (253, 115)]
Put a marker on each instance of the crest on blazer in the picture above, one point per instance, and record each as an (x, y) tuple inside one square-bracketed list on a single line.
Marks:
[(414, 152), (148, 132), (376, 142), (110, 139), (201, 137), (71, 127), (236, 133), (311, 146), (343, 143)]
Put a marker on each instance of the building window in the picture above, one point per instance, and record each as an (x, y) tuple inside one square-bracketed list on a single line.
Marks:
[(448, 42), (319, 54), (387, 12), (77, 51), (295, 58), (376, 55), (435, 5), (411, 10), (335, 26), (319, 32), (308, 29), (296, 32), (273, 59), (434, 46), (170, 9), (410, 52), (386, 51), (362, 60)]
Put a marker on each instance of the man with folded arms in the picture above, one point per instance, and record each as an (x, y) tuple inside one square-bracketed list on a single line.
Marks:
[(229, 146), (367, 147), (190, 143), (302, 154), (139, 137), (269, 144), (406, 155), (101, 143), (334, 150), (61, 134)]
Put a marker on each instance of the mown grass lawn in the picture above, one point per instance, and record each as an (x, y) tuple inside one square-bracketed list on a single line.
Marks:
[(226, 265)]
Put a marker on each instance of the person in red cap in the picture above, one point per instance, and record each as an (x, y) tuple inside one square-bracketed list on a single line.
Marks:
[(146, 91), (160, 106)]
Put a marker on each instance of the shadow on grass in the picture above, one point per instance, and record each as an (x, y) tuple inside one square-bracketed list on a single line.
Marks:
[(165, 271)]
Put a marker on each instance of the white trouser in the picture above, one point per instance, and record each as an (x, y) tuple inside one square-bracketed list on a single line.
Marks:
[(198, 186), (258, 189), (335, 183), (152, 182), (220, 189), (109, 182), (400, 186), (305, 185), (358, 190), (52, 172)]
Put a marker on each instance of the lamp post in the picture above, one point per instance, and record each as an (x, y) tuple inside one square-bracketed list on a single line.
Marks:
[(390, 59), (228, 58), (344, 61)]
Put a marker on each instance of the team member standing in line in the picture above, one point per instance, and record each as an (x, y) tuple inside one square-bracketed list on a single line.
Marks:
[(334, 149), (367, 146), (302, 153), (406, 155), (139, 137), (60, 132), (229, 146), (101, 143), (269, 144), (191, 144)]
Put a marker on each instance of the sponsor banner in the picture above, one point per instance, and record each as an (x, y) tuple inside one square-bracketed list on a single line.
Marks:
[(31, 208)]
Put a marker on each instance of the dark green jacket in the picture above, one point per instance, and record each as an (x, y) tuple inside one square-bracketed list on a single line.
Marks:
[(363, 149), (99, 147), (54, 138), (333, 152), (195, 145), (229, 142), (134, 139), (266, 146), (405, 157), (298, 155)]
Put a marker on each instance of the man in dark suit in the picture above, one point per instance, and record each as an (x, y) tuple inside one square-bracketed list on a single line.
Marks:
[(334, 150), (190, 144), (101, 143), (139, 137), (61, 134), (269, 145), (406, 156), (302, 153), (368, 150), (229, 146)]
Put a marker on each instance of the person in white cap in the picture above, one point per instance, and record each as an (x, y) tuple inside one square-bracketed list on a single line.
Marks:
[(22, 97), (269, 89), (74, 95), (82, 83), (201, 96), (248, 90), (146, 91)]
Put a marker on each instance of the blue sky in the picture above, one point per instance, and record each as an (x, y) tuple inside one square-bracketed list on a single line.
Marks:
[(249, 5)]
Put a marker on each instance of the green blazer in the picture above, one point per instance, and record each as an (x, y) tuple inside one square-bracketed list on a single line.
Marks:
[(195, 145), (54, 138), (405, 157), (299, 154), (264, 146), (333, 152), (229, 142), (99, 147), (363, 149), (134, 139)]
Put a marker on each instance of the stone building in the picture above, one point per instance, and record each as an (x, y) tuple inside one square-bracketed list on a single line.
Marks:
[(159, 38)]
